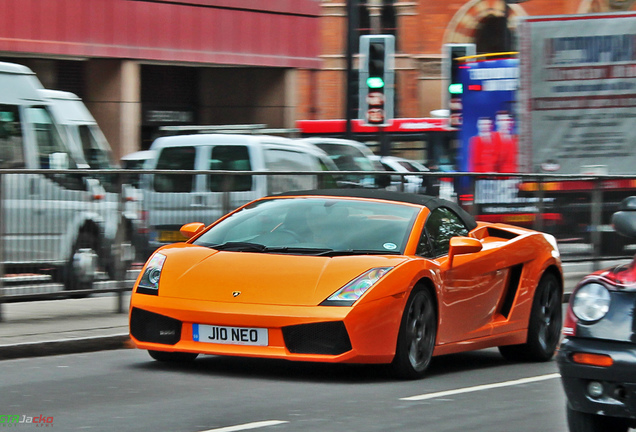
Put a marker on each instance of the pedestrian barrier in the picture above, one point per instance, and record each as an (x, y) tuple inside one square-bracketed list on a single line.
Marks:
[(74, 233)]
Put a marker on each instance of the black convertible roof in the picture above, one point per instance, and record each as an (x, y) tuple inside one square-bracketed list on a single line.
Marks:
[(424, 200)]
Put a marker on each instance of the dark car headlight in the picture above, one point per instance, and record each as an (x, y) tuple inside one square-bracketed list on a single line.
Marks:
[(351, 292), (149, 282), (591, 302)]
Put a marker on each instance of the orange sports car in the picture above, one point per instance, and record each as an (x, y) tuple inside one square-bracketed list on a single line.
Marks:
[(355, 276)]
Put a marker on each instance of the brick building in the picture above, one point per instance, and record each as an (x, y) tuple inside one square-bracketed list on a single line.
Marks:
[(420, 28), (141, 64)]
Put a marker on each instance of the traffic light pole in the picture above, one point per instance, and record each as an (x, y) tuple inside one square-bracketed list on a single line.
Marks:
[(352, 30)]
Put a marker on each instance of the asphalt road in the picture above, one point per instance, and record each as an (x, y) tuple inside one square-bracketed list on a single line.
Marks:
[(126, 390)]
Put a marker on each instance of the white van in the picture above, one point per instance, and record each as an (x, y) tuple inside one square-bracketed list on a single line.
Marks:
[(88, 144), (53, 221), (171, 200)]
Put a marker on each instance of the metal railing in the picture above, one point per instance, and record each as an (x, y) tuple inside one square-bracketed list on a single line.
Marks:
[(45, 214)]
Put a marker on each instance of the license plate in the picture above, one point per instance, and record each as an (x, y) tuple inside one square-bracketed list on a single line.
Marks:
[(229, 335), (170, 236)]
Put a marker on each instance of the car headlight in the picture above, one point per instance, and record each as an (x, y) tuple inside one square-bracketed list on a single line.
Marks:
[(351, 292), (149, 282), (591, 302)]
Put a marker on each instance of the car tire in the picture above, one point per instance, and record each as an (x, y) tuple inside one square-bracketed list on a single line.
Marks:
[(81, 267), (544, 328), (173, 357), (416, 338), (584, 422)]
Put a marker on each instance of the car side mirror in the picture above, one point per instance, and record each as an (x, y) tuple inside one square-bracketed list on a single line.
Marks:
[(462, 246), (624, 220), (191, 229)]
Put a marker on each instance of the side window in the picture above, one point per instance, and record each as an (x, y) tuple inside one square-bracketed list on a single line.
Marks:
[(51, 151), (441, 225), (11, 142), (175, 158), (230, 158)]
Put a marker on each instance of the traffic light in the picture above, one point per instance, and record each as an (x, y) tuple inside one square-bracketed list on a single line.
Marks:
[(376, 79), (453, 87)]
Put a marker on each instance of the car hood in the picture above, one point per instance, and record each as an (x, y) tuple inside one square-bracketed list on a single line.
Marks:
[(200, 273)]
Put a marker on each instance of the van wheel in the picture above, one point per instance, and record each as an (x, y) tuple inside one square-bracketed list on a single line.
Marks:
[(81, 267)]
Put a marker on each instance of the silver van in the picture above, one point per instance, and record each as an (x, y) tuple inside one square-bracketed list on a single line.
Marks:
[(89, 145), (53, 221), (171, 200)]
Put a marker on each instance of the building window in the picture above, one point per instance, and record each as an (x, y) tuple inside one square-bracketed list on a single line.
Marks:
[(369, 22)]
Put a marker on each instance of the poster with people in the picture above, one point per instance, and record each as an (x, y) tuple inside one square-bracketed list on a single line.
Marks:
[(488, 134)]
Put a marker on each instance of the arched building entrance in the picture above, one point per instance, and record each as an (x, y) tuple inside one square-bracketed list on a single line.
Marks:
[(490, 24)]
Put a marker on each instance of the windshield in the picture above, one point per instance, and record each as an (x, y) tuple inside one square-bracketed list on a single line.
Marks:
[(319, 226)]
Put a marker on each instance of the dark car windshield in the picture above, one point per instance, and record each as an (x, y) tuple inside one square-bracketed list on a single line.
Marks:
[(318, 226)]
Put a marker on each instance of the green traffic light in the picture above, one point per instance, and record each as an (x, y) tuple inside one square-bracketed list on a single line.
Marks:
[(375, 82), (456, 88)]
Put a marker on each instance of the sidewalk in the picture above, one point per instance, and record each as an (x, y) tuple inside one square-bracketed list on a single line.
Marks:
[(54, 327), (63, 326)]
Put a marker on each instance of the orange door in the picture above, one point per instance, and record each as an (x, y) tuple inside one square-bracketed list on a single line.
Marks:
[(470, 295)]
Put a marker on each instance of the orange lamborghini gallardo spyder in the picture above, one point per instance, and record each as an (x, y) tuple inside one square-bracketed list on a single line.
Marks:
[(355, 276)]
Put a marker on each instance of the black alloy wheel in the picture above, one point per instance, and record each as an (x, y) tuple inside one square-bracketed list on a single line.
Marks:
[(544, 329), (416, 339)]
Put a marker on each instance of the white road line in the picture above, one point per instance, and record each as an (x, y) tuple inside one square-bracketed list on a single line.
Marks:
[(481, 387), (246, 426)]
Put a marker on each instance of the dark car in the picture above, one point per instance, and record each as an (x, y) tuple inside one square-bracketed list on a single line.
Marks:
[(597, 358)]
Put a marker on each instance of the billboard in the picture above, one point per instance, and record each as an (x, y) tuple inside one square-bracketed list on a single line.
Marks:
[(578, 94)]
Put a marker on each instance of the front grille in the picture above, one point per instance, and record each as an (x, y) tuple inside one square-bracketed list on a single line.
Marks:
[(318, 338), (151, 327)]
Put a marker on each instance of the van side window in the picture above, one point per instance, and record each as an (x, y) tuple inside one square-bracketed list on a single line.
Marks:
[(51, 151), (11, 144), (175, 158), (230, 158)]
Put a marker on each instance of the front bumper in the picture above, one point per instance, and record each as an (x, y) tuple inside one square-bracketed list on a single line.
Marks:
[(618, 381), (366, 333)]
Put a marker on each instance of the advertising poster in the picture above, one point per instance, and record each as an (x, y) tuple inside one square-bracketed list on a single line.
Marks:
[(488, 132), (577, 99)]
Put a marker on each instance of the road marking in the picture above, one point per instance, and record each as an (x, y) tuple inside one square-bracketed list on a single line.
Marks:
[(246, 426), (482, 387)]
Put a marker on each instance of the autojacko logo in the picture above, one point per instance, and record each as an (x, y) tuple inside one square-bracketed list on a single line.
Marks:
[(14, 420)]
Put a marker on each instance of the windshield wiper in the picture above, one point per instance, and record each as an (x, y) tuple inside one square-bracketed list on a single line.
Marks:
[(346, 252), (239, 247), (296, 250)]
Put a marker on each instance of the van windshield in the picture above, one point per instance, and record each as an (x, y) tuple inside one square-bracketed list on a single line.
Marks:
[(96, 152), (11, 145)]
